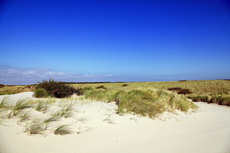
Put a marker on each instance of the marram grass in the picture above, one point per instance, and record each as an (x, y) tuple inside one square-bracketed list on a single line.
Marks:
[(61, 130), (200, 87), (21, 104), (223, 99), (3, 102), (35, 127), (144, 101)]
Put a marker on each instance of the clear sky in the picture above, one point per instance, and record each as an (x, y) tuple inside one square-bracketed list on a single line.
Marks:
[(104, 40)]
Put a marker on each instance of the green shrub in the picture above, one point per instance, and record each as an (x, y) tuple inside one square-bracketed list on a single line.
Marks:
[(57, 89), (40, 93)]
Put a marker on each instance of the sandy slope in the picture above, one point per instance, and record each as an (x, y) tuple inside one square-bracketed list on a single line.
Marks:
[(96, 128)]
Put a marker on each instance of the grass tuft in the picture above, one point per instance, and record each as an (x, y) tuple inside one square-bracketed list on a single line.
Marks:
[(35, 127), (21, 104), (3, 102), (50, 119), (42, 106), (24, 116), (61, 130)]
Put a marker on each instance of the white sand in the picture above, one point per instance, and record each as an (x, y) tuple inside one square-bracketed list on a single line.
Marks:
[(96, 128)]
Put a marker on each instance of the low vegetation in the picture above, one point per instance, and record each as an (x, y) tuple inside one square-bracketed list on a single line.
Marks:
[(14, 89), (197, 88), (3, 102), (146, 102), (24, 116), (143, 98), (22, 109), (21, 104), (35, 127), (219, 99), (55, 89), (40, 93), (61, 130)]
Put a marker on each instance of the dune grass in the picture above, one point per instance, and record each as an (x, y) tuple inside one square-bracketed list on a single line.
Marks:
[(219, 99), (13, 89), (35, 127), (4, 102), (24, 116), (42, 106), (50, 100), (50, 119), (61, 130), (200, 87), (144, 101), (21, 110), (64, 112), (21, 104)]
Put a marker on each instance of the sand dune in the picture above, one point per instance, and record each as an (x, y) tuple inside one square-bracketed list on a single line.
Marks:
[(95, 127)]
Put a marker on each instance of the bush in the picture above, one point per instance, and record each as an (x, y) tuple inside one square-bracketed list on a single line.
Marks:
[(184, 91), (2, 85), (57, 89), (174, 89), (100, 87), (40, 93)]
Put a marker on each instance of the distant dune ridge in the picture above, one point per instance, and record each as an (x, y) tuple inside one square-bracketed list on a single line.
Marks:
[(95, 127)]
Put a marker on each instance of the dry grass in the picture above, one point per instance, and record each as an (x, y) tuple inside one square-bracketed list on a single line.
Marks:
[(200, 87), (144, 101), (197, 87), (13, 89), (219, 90)]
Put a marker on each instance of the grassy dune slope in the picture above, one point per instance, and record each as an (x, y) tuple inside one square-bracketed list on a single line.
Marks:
[(144, 101), (197, 87)]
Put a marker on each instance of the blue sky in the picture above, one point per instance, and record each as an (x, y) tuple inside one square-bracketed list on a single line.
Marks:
[(101, 40)]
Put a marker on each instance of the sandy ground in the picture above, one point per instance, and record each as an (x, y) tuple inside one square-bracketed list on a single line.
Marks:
[(97, 128)]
